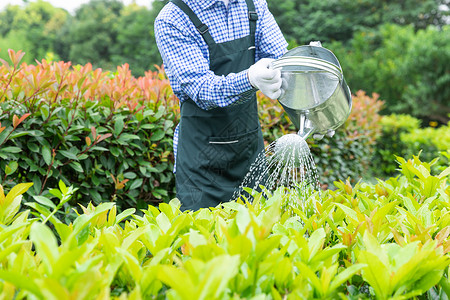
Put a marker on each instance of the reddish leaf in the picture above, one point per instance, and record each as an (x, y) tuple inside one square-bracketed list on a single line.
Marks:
[(102, 137), (94, 133), (17, 121)]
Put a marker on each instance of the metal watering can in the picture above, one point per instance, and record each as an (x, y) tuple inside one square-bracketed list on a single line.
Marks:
[(316, 96)]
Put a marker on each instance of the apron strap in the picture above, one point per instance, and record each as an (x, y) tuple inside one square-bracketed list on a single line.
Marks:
[(201, 27), (252, 17)]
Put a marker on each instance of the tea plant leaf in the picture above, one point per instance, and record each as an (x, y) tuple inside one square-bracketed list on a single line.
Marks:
[(126, 213), (21, 281), (216, 275), (179, 280), (345, 275), (132, 264), (315, 242), (444, 173), (375, 273), (132, 237), (11, 230), (348, 211), (45, 243), (11, 203), (310, 275), (282, 272), (264, 247)]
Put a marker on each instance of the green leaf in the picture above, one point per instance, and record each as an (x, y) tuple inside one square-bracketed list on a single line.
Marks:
[(20, 134), (47, 155), (68, 154), (62, 187), (345, 275), (33, 147), (376, 274), (118, 126), (115, 151), (77, 166), (315, 242), (45, 201), (11, 149), (124, 214), (130, 175), (37, 184), (126, 137), (136, 183), (11, 167), (21, 281), (46, 245), (157, 135), (179, 280), (348, 211)]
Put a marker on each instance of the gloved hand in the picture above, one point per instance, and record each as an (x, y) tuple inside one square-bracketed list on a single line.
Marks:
[(267, 80), (318, 136)]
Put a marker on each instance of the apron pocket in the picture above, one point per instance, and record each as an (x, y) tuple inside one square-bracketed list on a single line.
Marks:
[(229, 157)]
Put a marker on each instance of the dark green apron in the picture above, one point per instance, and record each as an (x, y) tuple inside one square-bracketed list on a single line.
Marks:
[(216, 147)]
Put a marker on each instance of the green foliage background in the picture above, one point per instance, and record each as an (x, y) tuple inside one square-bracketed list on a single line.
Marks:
[(398, 49)]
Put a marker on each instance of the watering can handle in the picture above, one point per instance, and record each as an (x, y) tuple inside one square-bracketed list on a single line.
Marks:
[(315, 43)]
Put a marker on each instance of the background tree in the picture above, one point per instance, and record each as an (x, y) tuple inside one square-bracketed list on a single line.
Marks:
[(302, 21), (32, 28), (135, 42), (93, 31)]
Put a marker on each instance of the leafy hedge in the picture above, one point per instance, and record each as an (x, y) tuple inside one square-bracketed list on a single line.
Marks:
[(386, 240), (403, 135), (110, 134)]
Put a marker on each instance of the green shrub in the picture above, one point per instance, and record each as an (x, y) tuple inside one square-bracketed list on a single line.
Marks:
[(367, 241), (403, 136), (110, 135)]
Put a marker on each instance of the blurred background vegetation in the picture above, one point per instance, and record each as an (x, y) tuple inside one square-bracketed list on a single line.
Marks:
[(398, 49)]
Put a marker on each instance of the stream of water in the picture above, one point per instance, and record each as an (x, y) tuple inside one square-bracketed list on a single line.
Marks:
[(286, 163)]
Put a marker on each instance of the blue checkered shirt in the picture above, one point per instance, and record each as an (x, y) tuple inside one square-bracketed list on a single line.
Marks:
[(186, 58)]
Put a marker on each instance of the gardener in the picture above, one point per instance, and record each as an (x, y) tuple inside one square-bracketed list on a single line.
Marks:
[(217, 54)]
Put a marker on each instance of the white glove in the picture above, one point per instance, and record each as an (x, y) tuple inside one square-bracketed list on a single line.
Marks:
[(267, 80)]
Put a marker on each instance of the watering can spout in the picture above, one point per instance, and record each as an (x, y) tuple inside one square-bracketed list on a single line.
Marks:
[(300, 121), (306, 127)]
